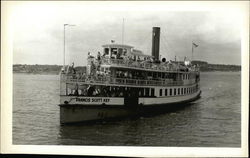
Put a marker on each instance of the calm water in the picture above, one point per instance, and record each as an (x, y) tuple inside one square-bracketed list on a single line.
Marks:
[(213, 120)]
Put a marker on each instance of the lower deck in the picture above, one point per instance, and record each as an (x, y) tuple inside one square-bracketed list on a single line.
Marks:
[(127, 100), (87, 109)]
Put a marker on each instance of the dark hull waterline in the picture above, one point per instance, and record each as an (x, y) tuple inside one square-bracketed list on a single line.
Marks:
[(78, 113)]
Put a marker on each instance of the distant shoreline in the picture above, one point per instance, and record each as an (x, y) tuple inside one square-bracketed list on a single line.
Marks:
[(55, 69), (45, 73)]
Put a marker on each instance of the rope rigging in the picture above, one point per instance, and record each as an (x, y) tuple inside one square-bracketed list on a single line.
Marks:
[(168, 47)]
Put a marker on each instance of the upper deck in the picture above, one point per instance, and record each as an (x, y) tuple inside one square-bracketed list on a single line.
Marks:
[(144, 65), (126, 57)]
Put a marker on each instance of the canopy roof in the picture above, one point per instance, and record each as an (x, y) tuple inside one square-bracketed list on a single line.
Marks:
[(113, 45)]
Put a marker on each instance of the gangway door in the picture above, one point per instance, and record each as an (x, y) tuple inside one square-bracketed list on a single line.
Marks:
[(131, 101)]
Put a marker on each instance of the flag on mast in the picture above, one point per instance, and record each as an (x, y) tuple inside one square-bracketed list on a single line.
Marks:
[(195, 45)]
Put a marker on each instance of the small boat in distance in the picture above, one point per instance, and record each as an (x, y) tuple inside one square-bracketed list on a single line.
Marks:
[(122, 81)]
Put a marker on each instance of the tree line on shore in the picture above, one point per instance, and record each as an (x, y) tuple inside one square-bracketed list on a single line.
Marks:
[(55, 69)]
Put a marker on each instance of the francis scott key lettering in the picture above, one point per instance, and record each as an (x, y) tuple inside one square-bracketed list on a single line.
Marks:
[(92, 100)]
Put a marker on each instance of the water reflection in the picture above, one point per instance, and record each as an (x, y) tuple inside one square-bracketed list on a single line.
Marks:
[(137, 130)]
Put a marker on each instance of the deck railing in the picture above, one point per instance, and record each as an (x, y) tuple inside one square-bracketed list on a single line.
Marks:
[(123, 81), (140, 64)]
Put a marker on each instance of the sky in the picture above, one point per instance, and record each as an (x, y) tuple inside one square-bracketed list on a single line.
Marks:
[(38, 31)]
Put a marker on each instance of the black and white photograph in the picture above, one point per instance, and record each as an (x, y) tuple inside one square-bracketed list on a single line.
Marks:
[(122, 75)]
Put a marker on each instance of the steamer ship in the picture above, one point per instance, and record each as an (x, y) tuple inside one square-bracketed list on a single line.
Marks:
[(123, 81)]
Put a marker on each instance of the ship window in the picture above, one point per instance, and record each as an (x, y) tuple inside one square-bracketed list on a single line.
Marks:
[(166, 92), (154, 75), (102, 69), (159, 75), (142, 92), (181, 90), (147, 91), (119, 54), (160, 92), (113, 51), (106, 51), (149, 74), (184, 90), (175, 91), (152, 91), (124, 51), (170, 92), (166, 75), (178, 91), (120, 50), (163, 75)]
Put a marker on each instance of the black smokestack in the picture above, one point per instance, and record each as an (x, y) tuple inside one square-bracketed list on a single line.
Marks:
[(156, 42)]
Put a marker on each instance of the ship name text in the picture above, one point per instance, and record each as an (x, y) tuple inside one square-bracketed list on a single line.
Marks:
[(105, 100)]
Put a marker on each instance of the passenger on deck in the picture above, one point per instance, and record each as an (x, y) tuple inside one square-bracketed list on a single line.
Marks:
[(99, 56), (90, 91), (74, 71), (76, 92), (89, 55)]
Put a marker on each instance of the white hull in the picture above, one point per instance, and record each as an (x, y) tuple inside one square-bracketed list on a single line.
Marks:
[(81, 109), (119, 101), (167, 100)]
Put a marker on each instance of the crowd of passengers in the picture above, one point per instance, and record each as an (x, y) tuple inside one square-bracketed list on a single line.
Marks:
[(139, 61), (122, 75), (96, 74), (107, 92)]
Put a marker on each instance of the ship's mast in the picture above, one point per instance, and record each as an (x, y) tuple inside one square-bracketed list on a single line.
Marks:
[(193, 46), (122, 30), (192, 50), (64, 25)]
